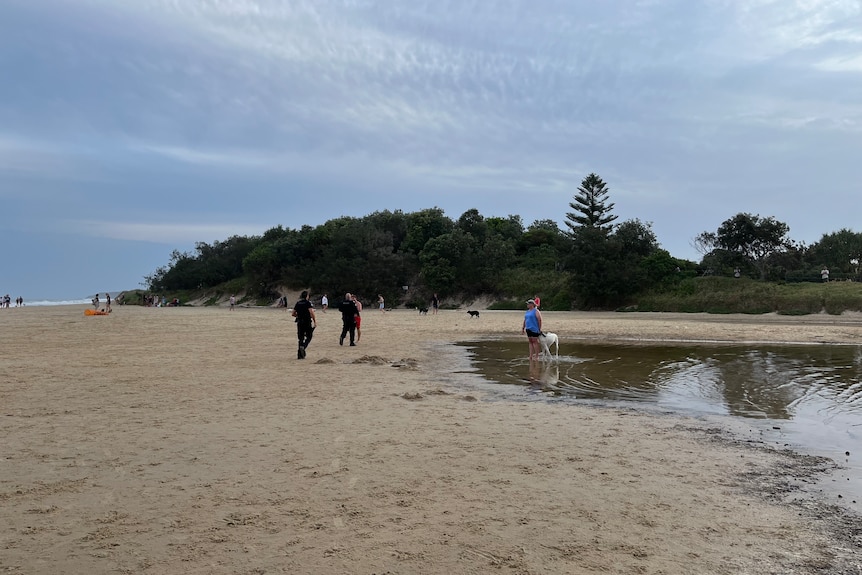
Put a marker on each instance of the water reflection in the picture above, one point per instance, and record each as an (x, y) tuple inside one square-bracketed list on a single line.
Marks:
[(805, 397), (774, 382)]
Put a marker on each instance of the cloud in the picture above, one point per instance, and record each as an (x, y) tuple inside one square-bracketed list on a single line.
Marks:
[(201, 157), (160, 232), (848, 63)]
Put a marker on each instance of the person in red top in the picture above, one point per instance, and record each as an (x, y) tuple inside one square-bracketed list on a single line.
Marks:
[(538, 302), (358, 317)]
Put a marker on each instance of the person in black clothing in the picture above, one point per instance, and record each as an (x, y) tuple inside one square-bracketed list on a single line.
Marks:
[(306, 321), (348, 319)]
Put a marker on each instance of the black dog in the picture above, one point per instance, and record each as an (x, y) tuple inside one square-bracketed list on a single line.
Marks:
[(473, 313), (423, 310)]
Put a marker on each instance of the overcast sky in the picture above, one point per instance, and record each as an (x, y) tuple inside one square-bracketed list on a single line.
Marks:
[(131, 128)]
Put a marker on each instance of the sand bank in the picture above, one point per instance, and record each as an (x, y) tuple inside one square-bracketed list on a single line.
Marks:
[(191, 440)]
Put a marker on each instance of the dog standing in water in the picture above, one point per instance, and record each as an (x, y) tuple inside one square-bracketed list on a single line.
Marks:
[(546, 340)]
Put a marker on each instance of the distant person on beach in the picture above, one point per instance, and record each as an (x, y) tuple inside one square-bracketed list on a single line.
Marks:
[(324, 303), (96, 301), (107, 302), (358, 317), (381, 303), (232, 301), (824, 274), (306, 322), (532, 326), (348, 319), (537, 300), (435, 303)]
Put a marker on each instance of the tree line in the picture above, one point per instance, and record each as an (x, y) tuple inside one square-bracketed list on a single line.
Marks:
[(594, 263)]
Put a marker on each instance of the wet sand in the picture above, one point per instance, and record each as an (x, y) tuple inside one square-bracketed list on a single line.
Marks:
[(191, 440)]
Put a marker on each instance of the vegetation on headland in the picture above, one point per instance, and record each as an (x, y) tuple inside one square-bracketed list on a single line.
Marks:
[(749, 264)]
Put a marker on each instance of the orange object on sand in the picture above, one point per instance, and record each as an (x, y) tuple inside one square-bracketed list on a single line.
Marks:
[(94, 312)]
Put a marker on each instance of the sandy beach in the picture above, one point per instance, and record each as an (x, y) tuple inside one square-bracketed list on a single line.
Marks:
[(192, 441)]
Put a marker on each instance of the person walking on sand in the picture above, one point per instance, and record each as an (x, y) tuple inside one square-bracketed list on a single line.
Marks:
[(532, 326), (232, 302), (435, 303), (107, 302), (358, 317), (96, 301), (324, 303), (380, 303), (348, 319), (306, 322)]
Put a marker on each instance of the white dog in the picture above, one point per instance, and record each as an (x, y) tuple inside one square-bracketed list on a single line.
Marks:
[(546, 340)]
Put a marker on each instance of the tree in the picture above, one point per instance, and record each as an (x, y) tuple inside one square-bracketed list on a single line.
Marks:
[(592, 261), (752, 238), (549, 225), (610, 267), (509, 228), (449, 262), (543, 246), (839, 251), (424, 225), (473, 223), (590, 205), (636, 237), (184, 272)]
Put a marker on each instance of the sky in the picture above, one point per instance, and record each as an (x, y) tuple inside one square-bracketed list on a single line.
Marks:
[(133, 128)]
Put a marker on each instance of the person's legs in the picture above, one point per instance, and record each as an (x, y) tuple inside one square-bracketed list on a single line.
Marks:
[(534, 348), (300, 336), (307, 333), (352, 334)]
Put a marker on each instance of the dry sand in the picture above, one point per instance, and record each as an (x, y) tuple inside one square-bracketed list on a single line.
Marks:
[(191, 440)]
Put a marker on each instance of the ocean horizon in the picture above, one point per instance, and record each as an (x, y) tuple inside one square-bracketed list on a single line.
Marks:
[(86, 300), (41, 302)]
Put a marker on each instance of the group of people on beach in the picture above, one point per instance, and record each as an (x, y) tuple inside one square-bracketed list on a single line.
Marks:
[(152, 300), (351, 319), (6, 301), (97, 303)]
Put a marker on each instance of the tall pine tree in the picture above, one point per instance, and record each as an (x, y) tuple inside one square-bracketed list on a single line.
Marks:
[(590, 205)]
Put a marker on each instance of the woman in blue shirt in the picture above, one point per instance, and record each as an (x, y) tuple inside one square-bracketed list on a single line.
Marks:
[(532, 326)]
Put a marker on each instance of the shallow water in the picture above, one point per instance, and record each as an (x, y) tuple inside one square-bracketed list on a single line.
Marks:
[(806, 397)]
